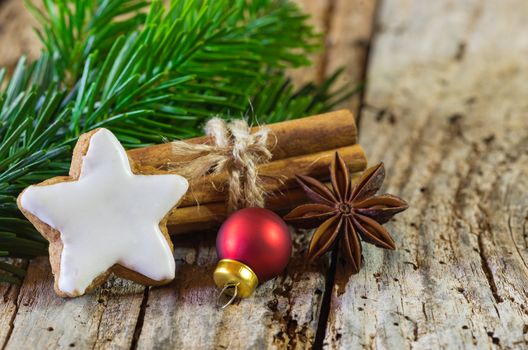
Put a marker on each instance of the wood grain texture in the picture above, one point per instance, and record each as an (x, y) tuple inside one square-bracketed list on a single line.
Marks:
[(104, 319), (16, 33), (8, 304), (446, 111), (8, 309), (320, 12), (348, 40), (283, 312)]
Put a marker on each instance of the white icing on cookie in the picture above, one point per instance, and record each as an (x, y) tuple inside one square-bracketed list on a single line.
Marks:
[(109, 216)]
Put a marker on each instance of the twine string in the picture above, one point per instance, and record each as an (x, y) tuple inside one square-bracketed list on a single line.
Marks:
[(234, 150)]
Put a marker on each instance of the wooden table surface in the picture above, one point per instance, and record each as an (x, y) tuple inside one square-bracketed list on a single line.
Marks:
[(446, 108)]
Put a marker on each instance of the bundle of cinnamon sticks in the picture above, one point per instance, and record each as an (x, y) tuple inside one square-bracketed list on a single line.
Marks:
[(303, 146)]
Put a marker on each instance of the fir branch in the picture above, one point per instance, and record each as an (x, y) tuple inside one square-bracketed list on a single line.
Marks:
[(73, 29)]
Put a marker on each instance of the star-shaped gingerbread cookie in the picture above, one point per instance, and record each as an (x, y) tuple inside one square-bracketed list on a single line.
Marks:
[(104, 218)]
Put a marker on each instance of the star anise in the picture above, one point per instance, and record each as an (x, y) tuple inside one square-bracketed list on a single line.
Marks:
[(346, 212)]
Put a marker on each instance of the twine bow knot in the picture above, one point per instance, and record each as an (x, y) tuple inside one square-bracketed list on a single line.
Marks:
[(235, 150)]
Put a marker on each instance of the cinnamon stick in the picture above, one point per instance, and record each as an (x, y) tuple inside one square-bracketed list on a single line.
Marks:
[(211, 215), (288, 139), (277, 175)]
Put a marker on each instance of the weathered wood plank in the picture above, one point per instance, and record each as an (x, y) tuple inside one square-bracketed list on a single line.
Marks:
[(348, 40), (105, 319), (283, 311), (8, 309), (320, 12), (8, 305), (446, 112), (17, 36)]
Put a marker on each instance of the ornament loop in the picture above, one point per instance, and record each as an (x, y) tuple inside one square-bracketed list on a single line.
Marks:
[(225, 292)]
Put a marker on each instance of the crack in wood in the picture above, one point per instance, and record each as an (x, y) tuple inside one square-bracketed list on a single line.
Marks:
[(415, 327), (324, 311), (15, 290), (327, 26), (366, 62), (140, 319), (484, 225), (103, 300), (524, 230), (13, 316), (487, 270), (510, 230)]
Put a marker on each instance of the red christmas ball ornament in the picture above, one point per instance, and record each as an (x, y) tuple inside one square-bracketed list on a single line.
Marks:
[(253, 245)]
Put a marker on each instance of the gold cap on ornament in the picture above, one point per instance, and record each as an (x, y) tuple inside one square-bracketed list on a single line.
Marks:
[(235, 278)]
